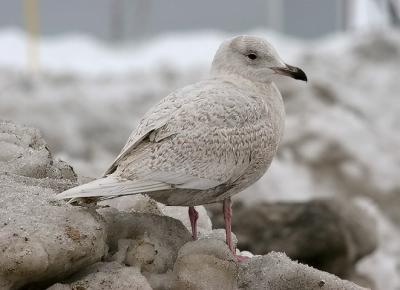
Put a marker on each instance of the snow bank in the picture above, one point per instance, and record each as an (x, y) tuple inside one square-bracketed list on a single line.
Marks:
[(80, 54)]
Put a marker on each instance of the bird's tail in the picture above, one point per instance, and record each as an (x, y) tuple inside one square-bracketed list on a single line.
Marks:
[(110, 186)]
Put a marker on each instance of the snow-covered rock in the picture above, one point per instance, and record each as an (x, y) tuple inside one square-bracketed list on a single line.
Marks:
[(208, 264), (276, 271), (40, 240), (106, 276), (148, 241), (25, 153), (205, 264)]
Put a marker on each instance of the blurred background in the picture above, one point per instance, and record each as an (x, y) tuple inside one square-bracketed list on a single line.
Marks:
[(84, 72)]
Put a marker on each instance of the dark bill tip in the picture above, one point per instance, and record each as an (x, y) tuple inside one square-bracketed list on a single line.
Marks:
[(293, 72), (299, 74)]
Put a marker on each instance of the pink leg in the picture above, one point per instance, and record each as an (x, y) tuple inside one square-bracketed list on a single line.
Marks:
[(227, 209), (193, 216)]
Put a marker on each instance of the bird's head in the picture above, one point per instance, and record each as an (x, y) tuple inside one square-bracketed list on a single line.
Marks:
[(252, 58)]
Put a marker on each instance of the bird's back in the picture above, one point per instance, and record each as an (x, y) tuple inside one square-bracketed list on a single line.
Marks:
[(198, 145), (222, 132)]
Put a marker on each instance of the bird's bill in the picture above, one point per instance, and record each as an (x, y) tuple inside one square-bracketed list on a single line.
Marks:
[(291, 71)]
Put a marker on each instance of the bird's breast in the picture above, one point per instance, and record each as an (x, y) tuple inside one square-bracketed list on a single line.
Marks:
[(263, 138)]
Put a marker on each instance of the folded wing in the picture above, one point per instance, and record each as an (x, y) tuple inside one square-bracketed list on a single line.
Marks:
[(198, 141)]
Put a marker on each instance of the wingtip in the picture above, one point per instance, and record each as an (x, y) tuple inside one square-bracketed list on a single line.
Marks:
[(69, 194), (62, 196)]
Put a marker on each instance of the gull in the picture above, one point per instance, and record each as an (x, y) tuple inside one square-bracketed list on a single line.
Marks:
[(207, 141)]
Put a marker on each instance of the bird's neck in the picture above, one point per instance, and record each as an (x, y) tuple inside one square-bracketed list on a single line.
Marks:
[(245, 83)]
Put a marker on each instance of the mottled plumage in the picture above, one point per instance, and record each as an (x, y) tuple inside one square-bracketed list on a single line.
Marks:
[(207, 141), (215, 139)]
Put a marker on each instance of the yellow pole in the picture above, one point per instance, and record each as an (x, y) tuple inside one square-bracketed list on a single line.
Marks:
[(32, 30)]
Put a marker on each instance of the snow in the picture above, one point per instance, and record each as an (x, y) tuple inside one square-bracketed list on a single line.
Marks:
[(341, 130), (84, 55)]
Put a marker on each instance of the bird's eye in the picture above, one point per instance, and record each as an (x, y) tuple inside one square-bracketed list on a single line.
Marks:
[(252, 56)]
